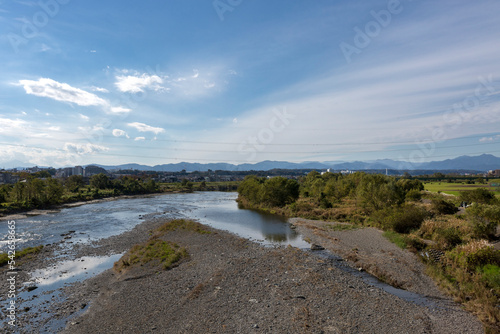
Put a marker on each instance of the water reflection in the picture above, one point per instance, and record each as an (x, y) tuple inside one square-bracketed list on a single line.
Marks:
[(268, 229)]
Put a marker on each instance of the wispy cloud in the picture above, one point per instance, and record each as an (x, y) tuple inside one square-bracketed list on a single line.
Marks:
[(120, 133), (119, 110), (137, 83), (63, 92), (86, 148), (11, 125), (141, 127), (98, 89), (139, 138)]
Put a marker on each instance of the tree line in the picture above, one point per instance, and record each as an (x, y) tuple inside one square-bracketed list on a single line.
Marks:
[(34, 192)]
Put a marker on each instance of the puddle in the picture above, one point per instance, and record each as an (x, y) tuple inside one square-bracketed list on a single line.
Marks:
[(49, 283)]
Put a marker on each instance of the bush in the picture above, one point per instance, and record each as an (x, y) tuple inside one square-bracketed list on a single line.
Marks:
[(475, 254), (448, 238), (413, 195), (491, 274), (402, 219), (483, 220), (442, 207), (479, 195)]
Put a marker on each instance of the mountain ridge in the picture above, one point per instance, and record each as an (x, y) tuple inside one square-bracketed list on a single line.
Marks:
[(482, 163)]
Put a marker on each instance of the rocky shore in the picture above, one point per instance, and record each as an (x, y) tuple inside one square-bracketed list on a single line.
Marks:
[(232, 285)]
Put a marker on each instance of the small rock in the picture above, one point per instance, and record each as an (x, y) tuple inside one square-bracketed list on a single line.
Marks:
[(315, 247), (31, 288)]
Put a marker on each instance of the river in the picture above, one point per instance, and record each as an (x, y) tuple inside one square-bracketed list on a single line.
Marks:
[(105, 219)]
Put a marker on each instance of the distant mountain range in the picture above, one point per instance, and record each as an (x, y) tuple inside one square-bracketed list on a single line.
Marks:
[(480, 163)]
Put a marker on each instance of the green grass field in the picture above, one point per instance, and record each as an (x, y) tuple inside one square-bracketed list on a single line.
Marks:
[(456, 188)]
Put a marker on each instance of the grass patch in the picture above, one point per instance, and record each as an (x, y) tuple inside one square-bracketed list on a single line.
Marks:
[(164, 253), (183, 224), (25, 253), (396, 238), (342, 227), (455, 188)]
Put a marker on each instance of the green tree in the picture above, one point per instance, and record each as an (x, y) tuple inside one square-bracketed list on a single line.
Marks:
[(74, 183), (250, 189), (54, 191), (279, 191), (100, 181), (18, 193)]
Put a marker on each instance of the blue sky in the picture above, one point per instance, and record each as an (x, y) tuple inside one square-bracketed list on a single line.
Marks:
[(243, 81)]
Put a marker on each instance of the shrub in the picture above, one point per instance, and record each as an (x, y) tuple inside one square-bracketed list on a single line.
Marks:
[(483, 220), (442, 207), (413, 195), (474, 254), (491, 274), (448, 238), (479, 195), (402, 219)]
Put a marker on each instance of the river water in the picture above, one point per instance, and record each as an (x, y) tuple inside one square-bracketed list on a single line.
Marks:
[(101, 220)]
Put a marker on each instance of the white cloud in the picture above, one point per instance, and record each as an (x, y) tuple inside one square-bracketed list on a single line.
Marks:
[(138, 83), (139, 138), (141, 127), (84, 148), (98, 89), (119, 133), (86, 118), (120, 110), (9, 125), (61, 92)]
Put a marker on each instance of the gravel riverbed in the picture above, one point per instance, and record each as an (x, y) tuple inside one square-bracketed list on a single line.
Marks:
[(232, 285)]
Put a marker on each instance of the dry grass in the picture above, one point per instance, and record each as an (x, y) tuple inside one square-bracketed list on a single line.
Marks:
[(466, 274)]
